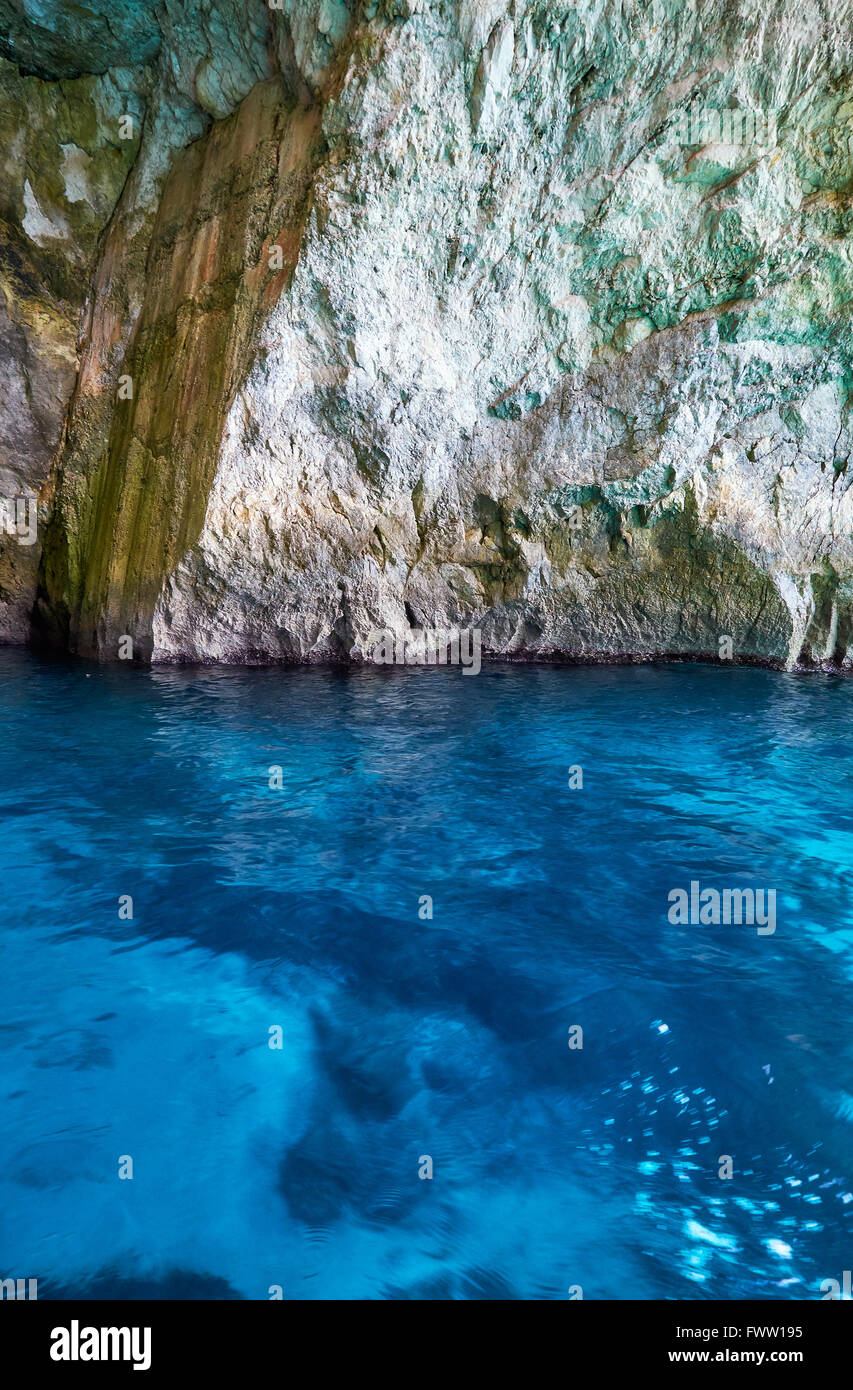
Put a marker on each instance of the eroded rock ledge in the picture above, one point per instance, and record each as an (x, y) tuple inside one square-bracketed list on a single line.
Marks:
[(323, 318)]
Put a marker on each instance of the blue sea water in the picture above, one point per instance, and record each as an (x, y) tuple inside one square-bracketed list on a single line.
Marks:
[(297, 908)]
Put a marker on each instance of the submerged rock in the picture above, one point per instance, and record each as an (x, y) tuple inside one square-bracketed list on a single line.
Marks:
[(533, 318)]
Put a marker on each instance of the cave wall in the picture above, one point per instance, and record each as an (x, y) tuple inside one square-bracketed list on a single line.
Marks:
[(534, 318)]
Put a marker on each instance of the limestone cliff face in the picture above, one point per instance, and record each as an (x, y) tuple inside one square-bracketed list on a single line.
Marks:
[(529, 317)]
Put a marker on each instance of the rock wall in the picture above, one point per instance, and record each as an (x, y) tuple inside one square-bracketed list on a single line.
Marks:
[(534, 318)]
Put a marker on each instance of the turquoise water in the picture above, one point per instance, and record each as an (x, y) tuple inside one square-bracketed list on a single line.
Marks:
[(297, 908)]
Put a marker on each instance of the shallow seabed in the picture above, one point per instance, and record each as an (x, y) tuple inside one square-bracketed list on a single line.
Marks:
[(256, 908)]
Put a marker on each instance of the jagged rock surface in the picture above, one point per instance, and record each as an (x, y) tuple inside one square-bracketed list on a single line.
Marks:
[(435, 314)]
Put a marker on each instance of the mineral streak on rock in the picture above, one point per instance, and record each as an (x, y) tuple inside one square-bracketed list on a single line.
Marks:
[(321, 318)]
